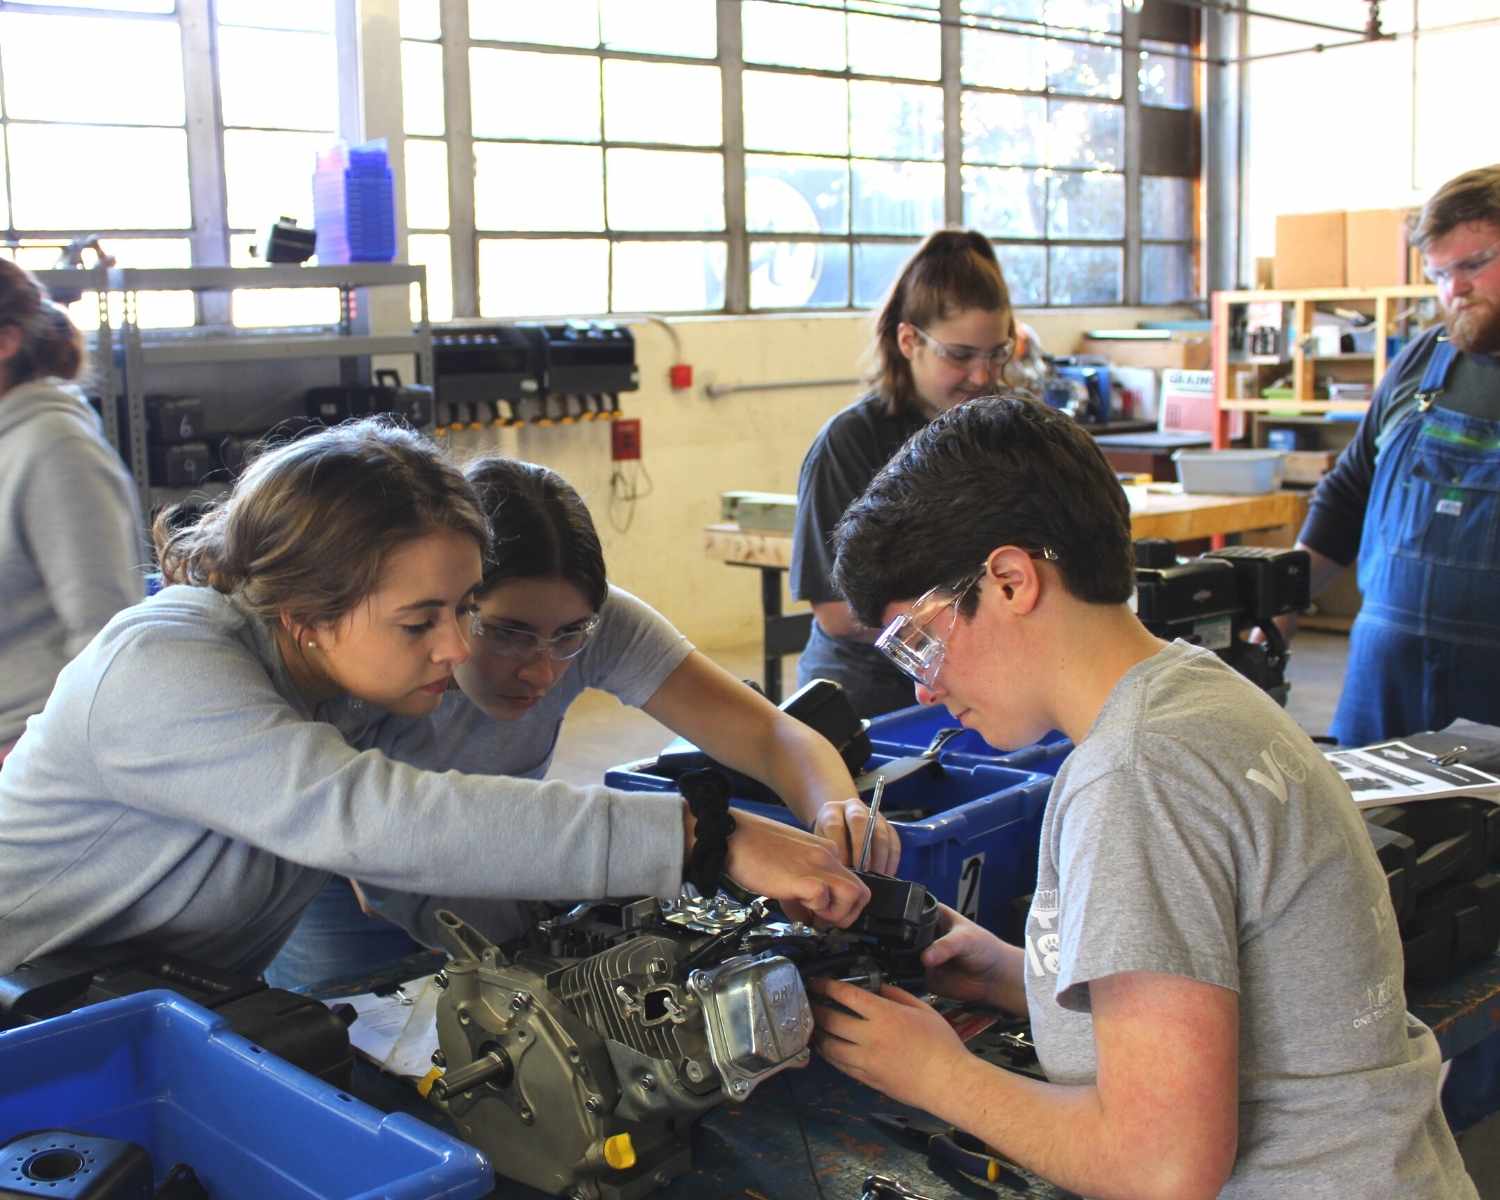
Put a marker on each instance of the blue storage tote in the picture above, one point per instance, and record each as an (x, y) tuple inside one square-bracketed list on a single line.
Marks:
[(975, 850), (167, 1074), (909, 731)]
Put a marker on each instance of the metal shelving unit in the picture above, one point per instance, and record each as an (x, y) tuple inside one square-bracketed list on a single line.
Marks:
[(124, 357)]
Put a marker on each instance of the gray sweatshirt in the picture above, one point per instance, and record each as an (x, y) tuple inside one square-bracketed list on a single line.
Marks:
[(177, 790), (71, 544)]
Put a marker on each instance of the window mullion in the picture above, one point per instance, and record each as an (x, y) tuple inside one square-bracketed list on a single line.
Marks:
[(953, 141), (1130, 64), (459, 123), (207, 190), (732, 91)]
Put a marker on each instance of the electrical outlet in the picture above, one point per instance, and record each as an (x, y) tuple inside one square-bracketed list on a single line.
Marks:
[(625, 439)]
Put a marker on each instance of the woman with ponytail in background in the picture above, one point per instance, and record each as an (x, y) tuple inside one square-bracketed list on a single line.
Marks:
[(71, 547)]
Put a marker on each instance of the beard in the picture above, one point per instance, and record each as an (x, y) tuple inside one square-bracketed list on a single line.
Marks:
[(1474, 328)]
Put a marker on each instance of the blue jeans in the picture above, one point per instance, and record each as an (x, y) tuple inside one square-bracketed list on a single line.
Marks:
[(335, 939)]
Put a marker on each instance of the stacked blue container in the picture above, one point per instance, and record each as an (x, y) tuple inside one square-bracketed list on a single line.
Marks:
[(910, 730), (354, 204)]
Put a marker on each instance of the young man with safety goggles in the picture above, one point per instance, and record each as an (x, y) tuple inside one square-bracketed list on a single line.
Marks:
[(1210, 965)]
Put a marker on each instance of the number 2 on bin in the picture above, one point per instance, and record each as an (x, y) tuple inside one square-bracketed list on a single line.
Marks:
[(968, 886)]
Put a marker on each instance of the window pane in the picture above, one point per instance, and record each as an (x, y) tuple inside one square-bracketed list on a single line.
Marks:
[(662, 102), (1102, 16), (246, 56), (525, 94), (278, 14), (520, 278), (799, 274), (1166, 207), (669, 276), (897, 197), (876, 265), (1024, 10), (126, 72), (270, 174), (433, 251), (426, 184), (1086, 274), (422, 88), (507, 195), (1083, 70), (4, 193), (135, 6), (1025, 269), (56, 171), (796, 112), (1009, 202), (1085, 206), (1085, 135), (421, 19), (886, 46), (685, 27), (896, 120), (665, 190), (277, 306), (784, 194), (1004, 129), (555, 23), (1166, 81), (1167, 274), (792, 37), (1003, 60)]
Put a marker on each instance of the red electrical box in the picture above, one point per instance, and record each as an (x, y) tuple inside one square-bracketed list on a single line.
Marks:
[(625, 439)]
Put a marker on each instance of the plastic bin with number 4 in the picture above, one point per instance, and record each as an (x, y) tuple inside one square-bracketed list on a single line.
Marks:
[(969, 831)]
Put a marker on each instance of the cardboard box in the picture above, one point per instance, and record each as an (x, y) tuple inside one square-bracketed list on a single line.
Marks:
[(1181, 352), (1376, 253), (1310, 250)]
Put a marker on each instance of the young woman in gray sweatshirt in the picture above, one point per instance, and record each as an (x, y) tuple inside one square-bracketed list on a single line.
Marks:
[(183, 788), (70, 527)]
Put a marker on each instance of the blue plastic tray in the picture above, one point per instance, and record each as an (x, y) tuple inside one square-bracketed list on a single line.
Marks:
[(167, 1074), (909, 730), (977, 848)]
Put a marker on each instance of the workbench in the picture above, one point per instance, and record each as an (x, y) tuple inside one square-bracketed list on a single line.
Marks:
[(1157, 510)]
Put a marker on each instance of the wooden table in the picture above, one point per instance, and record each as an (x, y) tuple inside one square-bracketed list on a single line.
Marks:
[(1157, 510)]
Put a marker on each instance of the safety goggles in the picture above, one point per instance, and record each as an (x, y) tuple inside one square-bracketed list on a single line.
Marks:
[(511, 641), (964, 357), (1468, 268), (908, 641)]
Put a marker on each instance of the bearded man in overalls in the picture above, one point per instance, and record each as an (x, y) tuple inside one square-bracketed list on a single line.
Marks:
[(1417, 495)]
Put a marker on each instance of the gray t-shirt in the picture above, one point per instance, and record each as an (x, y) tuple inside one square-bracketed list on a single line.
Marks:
[(633, 651), (1197, 832)]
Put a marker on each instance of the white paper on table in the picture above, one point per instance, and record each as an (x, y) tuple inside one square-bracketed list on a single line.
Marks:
[(398, 1031)]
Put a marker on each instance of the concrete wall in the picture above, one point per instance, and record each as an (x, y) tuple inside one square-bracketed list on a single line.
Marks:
[(695, 448)]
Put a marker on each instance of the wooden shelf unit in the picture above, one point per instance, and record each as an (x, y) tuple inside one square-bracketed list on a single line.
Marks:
[(1390, 306)]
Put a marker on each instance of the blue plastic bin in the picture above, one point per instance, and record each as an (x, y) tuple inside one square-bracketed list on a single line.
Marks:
[(167, 1074), (909, 731), (977, 849)]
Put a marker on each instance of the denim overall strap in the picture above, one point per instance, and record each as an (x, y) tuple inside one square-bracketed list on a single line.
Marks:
[(1425, 648)]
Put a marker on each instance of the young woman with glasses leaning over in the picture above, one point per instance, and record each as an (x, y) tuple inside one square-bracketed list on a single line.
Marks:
[(944, 336)]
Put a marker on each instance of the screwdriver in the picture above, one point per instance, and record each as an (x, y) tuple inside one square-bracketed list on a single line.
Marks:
[(864, 853)]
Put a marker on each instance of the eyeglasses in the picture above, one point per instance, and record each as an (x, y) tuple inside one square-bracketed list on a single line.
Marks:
[(1467, 268), (964, 357), (907, 640), (511, 641)]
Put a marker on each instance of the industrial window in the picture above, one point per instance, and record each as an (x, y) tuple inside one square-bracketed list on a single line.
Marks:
[(118, 112), (425, 124), (629, 154)]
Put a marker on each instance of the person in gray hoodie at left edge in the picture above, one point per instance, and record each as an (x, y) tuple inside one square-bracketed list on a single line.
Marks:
[(71, 535)]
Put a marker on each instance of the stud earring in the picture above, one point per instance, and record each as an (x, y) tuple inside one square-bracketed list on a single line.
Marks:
[(311, 645)]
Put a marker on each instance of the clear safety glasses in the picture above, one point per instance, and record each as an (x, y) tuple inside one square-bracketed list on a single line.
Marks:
[(511, 641), (1467, 269), (908, 641)]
